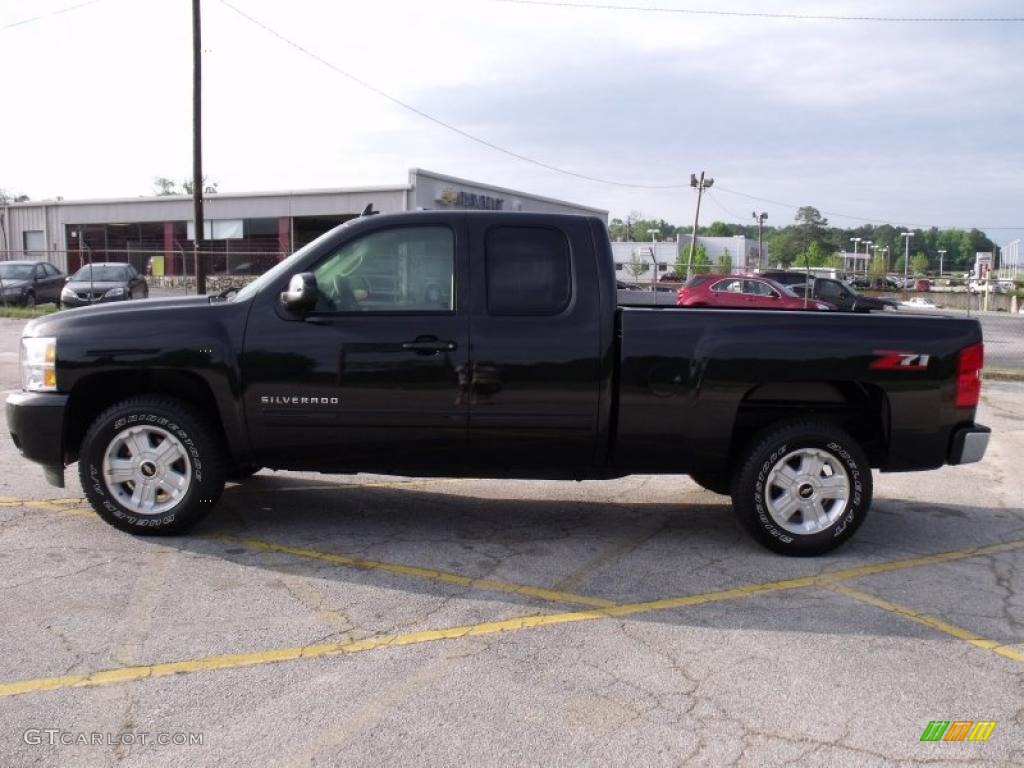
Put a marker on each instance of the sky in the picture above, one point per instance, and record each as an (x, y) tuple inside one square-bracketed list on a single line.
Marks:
[(916, 124)]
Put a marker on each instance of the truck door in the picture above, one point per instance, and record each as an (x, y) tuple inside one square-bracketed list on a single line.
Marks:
[(373, 378), (535, 364)]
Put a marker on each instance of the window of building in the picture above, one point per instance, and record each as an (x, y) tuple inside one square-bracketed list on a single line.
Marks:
[(406, 269), (32, 241), (528, 271)]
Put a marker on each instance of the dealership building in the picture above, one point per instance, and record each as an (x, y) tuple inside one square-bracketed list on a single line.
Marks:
[(243, 232)]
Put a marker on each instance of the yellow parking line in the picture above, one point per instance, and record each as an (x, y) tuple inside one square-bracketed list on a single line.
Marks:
[(826, 579), (229, 661), (551, 595), (930, 621), (271, 656)]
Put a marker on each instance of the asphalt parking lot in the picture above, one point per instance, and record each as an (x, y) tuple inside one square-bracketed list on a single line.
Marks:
[(317, 620)]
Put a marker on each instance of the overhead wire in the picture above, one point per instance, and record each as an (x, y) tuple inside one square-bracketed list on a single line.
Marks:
[(438, 121), (769, 14), (42, 16)]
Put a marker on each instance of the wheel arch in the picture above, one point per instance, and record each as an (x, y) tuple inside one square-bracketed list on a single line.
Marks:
[(98, 391), (859, 408)]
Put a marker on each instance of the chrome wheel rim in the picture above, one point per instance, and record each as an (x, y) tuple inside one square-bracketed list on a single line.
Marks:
[(807, 491), (147, 470)]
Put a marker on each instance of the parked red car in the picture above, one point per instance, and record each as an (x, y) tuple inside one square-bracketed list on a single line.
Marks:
[(740, 292)]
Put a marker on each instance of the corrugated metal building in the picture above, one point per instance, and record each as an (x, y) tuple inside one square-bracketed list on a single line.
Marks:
[(243, 232)]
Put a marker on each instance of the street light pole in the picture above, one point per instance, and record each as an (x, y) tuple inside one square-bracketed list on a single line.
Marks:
[(760, 219), (867, 248), (942, 254), (854, 240), (654, 259), (906, 257), (700, 185)]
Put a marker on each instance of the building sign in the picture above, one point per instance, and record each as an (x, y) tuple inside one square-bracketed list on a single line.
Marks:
[(462, 199)]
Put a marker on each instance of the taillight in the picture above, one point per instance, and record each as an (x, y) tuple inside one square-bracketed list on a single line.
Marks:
[(968, 375)]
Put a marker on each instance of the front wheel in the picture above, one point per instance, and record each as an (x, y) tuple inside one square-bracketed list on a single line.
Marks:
[(803, 488), (150, 465)]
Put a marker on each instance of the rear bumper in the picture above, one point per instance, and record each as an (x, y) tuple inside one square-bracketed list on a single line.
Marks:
[(969, 444), (36, 423)]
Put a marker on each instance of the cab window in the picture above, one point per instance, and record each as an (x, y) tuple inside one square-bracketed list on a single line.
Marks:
[(407, 269), (728, 286)]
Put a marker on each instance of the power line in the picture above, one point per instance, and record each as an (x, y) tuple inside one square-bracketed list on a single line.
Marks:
[(836, 214), (767, 15), (41, 16), (511, 153), (437, 121)]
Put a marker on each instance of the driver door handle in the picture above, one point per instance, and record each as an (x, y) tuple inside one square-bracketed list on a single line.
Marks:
[(428, 345)]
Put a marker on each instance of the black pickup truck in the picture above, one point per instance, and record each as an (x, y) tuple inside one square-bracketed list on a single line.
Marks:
[(490, 345)]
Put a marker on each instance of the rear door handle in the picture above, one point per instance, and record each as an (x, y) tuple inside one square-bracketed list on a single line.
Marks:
[(428, 345)]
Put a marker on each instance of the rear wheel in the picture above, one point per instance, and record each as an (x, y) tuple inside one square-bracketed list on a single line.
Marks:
[(803, 488), (151, 466)]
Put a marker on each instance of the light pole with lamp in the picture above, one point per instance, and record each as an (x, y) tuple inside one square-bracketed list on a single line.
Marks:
[(760, 219), (906, 257), (654, 257), (942, 253), (700, 185), (855, 240), (867, 247)]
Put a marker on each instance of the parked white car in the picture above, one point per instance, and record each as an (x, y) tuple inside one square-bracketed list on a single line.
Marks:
[(918, 302)]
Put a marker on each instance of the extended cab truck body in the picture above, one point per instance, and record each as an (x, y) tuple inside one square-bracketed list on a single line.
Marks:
[(490, 344)]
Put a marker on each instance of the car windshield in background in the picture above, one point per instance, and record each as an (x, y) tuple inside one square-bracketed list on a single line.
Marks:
[(101, 274), (16, 271)]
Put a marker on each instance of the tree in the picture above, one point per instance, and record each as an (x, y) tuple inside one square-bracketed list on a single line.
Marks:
[(877, 269), (919, 264), (725, 263), (636, 267), (814, 256), (165, 186), (701, 263), (9, 197)]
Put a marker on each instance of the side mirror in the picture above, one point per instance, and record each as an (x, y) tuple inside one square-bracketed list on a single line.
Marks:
[(302, 293)]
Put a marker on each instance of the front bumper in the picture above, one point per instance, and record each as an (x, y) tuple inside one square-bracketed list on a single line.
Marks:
[(36, 424), (78, 301), (969, 444)]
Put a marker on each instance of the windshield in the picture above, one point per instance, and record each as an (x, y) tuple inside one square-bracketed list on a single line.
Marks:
[(101, 273), (283, 267), (16, 271)]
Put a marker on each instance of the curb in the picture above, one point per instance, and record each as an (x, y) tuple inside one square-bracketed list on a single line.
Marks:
[(1006, 374)]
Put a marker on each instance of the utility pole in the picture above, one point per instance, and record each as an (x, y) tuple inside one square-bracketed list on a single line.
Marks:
[(197, 146), (906, 257), (700, 185), (654, 259), (760, 219)]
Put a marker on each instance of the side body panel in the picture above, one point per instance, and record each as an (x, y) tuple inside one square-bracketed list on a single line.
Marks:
[(684, 374)]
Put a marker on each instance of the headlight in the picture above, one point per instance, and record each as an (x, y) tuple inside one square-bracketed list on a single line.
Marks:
[(67, 293), (38, 364), (113, 293), (819, 305)]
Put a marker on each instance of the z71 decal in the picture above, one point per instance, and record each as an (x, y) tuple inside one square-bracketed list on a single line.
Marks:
[(900, 360)]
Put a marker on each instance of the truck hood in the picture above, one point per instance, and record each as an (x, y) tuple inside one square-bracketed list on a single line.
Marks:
[(115, 313)]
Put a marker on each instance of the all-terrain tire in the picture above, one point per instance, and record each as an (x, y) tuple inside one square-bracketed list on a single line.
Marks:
[(129, 437), (797, 465)]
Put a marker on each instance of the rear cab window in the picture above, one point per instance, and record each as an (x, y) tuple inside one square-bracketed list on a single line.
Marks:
[(528, 271)]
